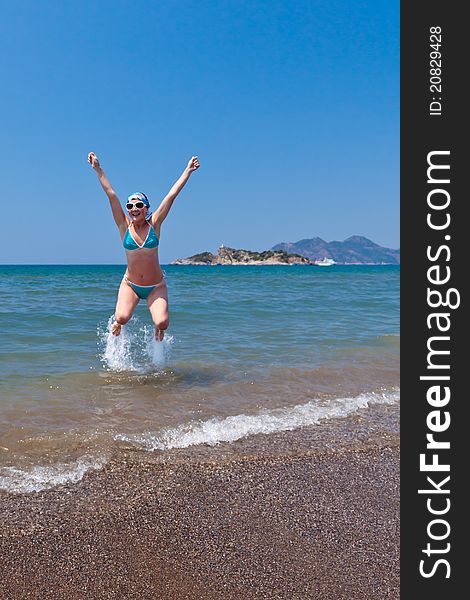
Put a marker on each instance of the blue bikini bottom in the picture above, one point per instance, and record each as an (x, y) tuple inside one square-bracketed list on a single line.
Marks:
[(144, 291)]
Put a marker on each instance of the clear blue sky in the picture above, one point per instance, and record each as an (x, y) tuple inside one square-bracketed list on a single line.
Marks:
[(292, 108)]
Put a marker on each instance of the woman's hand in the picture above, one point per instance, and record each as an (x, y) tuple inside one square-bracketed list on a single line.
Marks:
[(93, 160), (193, 164)]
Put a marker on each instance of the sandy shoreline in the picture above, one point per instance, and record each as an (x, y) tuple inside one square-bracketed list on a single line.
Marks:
[(318, 523)]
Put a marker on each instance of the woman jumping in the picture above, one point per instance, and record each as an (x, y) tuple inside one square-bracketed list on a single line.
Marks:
[(140, 233)]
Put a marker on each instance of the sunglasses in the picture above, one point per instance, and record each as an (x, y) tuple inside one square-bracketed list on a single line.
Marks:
[(130, 205)]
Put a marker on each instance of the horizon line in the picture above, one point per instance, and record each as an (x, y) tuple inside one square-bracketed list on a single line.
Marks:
[(183, 265)]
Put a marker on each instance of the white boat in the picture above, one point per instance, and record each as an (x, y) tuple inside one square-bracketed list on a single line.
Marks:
[(325, 262)]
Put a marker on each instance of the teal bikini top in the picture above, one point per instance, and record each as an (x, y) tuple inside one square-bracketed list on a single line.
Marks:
[(151, 241)]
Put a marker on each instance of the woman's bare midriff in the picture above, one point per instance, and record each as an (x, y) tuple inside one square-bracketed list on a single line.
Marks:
[(143, 267)]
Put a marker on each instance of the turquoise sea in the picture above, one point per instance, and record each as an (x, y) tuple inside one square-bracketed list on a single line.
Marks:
[(250, 349)]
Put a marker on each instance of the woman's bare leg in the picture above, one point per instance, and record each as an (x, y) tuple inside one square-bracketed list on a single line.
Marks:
[(125, 307), (158, 306)]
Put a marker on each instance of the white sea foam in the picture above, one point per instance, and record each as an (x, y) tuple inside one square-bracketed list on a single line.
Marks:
[(211, 432), (216, 430), (136, 349), (40, 478)]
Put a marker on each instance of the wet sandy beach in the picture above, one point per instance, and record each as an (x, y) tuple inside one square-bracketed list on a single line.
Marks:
[(298, 522)]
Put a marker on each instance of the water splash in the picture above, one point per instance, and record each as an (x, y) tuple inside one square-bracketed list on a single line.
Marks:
[(136, 349)]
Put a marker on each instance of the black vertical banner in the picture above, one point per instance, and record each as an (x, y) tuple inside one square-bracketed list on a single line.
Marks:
[(434, 327)]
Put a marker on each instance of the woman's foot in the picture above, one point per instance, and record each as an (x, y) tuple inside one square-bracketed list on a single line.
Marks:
[(116, 328), (159, 334)]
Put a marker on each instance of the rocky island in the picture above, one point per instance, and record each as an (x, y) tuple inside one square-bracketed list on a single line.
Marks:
[(232, 256), (355, 250)]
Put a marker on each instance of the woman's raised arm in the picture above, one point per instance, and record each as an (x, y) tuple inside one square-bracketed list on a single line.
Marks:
[(162, 211), (118, 213)]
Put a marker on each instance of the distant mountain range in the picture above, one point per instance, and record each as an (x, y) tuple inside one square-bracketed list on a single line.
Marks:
[(354, 250)]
